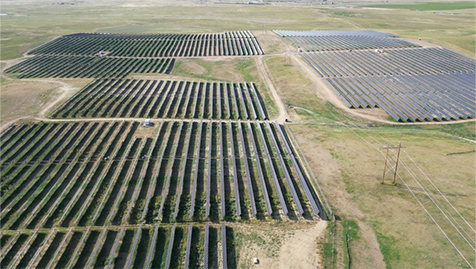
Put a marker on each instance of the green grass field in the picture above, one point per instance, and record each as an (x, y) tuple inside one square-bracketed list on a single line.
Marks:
[(430, 6), (25, 26)]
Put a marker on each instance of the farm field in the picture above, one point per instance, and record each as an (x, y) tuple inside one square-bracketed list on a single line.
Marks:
[(250, 155), (165, 99)]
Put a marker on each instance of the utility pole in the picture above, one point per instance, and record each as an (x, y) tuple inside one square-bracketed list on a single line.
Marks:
[(392, 157)]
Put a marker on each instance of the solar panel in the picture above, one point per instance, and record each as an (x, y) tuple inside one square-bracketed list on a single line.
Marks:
[(224, 246), (206, 246), (170, 248), (260, 170), (189, 246)]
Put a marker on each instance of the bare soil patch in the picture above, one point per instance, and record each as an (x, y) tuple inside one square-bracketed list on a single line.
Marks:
[(24, 98), (221, 68), (280, 245), (270, 42), (193, 67), (146, 132), (330, 175), (34, 97)]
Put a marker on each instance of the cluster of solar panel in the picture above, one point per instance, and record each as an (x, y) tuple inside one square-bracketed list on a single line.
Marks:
[(410, 84), (43, 66), (287, 33), (133, 98), (144, 246), (446, 96), (331, 43), (154, 45), (388, 62)]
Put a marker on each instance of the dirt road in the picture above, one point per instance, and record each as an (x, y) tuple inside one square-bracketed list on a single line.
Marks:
[(283, 114)]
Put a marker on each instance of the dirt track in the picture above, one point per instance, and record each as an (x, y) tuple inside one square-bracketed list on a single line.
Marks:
[(283, 114)]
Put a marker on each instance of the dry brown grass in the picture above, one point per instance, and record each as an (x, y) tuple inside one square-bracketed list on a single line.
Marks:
[(20, 99), (34, 97), (349, 166)]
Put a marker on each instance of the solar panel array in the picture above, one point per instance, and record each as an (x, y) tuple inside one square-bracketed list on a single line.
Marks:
[(113, 193), (410, 84), (97, 173), (389, 62), (332, 43), (155, 246), (100, 55), (446, 96), (63, 66), (238, 43), (135, 98), (287, 33)]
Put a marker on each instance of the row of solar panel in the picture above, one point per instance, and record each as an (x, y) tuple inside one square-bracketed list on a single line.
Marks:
[(158, 246), (286, 33), (178, 45), (45, 66), (149, 176), (157, 36), (390, 62), (164, 99), (332, 43)]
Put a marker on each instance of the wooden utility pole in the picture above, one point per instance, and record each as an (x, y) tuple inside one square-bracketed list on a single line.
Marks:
[(392, 157)]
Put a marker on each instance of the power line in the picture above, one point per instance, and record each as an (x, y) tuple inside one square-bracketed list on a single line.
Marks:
[(431, 198), (459, 214), (459, 252), (419, 202), (391, 161)]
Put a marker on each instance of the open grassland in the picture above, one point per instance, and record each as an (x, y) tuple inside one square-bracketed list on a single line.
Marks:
[(430, 6), (25, 26), (34, 97), (24, 98), (351, 176)]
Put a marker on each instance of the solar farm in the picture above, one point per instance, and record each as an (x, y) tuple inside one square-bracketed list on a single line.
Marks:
[(204, 170), (66, 176), (181, 134), (104, 55), (410, 84), (103, 185)]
